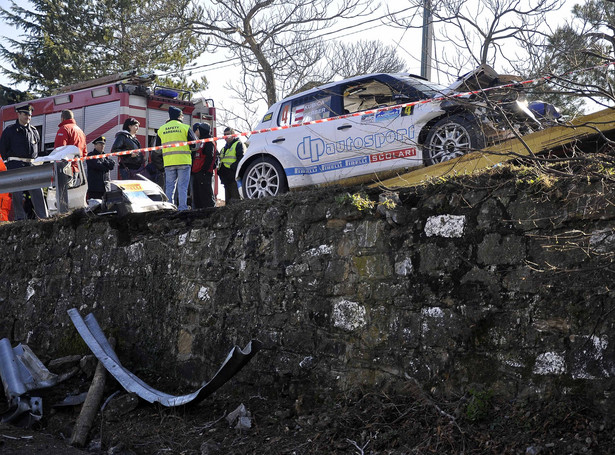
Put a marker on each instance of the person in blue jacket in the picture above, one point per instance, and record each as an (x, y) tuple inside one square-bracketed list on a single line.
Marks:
[(99, 170)]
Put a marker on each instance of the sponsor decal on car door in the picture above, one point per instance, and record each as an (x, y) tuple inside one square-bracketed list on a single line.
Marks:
[(358, 145)]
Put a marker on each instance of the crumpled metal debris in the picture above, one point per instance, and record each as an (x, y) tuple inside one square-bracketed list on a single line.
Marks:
[(92, 334), (22, 372), (71, 400), (242, 416)]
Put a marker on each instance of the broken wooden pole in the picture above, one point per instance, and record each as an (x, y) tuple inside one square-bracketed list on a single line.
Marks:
[(90, 406)]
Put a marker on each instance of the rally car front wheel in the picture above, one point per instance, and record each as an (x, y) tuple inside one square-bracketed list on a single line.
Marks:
[(264, 177), (450, 138)]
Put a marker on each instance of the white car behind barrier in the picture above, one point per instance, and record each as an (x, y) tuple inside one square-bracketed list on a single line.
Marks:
[(388, 139)]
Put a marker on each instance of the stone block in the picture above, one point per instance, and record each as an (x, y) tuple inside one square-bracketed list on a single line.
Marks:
[(370, 267), (184, 343), (496, 249), (436, 260)]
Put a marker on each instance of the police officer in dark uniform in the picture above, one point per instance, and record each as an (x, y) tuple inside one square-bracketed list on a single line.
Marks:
[(19, 147), (99, 170)]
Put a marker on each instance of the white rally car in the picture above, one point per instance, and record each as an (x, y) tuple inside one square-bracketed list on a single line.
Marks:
[(388, 140)]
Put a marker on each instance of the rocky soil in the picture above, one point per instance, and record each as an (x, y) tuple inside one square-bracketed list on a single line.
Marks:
[(402, 421), (398, 418)]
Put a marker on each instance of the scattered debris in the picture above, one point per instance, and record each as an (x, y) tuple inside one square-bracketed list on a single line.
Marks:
[(22, 372), (120, 449), (121, 406), (209, 448), (92, 334), (242, 416), (64, 362), (71, 400), (88, 365)]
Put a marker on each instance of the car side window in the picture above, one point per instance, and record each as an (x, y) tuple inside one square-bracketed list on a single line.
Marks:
[(305, 109), (368, 94)]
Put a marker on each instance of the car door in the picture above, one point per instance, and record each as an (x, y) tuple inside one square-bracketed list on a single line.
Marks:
[(310, 143), (346, 141), (375, 136)]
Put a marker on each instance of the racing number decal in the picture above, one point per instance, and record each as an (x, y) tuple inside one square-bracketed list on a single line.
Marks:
[(407, 111), (285, 118)]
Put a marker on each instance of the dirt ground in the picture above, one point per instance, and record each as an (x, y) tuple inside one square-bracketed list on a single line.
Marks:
[(406, 421)]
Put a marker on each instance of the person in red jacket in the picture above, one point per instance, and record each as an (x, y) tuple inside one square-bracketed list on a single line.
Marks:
[(203, 164), (70, 134)]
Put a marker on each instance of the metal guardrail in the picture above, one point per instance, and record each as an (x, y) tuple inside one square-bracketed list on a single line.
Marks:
[(57, 174), (27, 178), (94, 337), (22, 372)]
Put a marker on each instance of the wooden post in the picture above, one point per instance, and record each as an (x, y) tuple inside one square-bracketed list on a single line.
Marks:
[(90, 406)]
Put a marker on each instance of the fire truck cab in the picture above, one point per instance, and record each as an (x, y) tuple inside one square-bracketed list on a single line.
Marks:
[(100, 108)]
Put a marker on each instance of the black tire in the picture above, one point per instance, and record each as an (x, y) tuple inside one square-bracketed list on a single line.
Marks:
[(264, 177), (452, 137)]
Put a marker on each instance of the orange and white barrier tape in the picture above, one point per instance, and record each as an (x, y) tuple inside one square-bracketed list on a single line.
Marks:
[(354, 114)]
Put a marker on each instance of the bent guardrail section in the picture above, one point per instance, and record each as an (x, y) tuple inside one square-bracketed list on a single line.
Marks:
[(21, 372), (92, 334)]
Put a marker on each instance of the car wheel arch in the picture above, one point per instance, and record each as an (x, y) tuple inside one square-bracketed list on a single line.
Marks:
[(264, 175), (448, 113), (255, 157), (451, 137)]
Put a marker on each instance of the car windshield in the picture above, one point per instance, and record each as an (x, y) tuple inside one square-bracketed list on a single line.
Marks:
[(431, 89)]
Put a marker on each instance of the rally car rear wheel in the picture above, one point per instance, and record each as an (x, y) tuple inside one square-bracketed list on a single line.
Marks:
[(450, 138), (264, 177)]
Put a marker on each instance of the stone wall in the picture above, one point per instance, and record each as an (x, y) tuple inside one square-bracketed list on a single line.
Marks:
[(503, 285)]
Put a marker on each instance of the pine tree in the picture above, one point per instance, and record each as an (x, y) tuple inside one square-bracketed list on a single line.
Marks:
[(67, 41), (576, 54)]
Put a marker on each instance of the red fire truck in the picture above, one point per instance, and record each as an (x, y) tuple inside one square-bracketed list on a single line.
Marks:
[(101, 106)]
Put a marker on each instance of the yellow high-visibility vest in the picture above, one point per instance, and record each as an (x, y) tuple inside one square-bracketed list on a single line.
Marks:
[(172, 132), (229, 156)]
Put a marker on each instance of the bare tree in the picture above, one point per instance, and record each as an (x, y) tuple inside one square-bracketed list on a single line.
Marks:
[(483, 32), (274, 43), (363, 57)]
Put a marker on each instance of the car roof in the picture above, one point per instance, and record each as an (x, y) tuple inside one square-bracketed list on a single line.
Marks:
[(328, 85)]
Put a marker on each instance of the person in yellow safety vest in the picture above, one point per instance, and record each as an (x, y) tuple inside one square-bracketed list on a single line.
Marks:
[(177, 160), (230, 155)]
